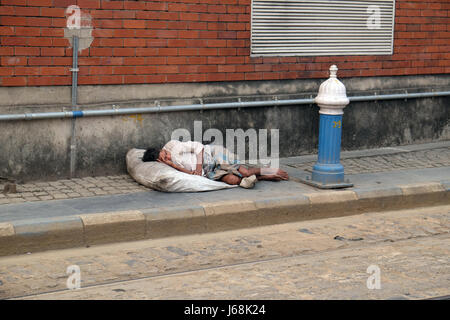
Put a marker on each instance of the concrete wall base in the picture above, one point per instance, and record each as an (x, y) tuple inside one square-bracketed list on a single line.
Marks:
[(40, 149)]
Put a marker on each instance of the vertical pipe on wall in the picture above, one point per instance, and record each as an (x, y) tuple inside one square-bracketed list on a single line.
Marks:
[(74, 70)]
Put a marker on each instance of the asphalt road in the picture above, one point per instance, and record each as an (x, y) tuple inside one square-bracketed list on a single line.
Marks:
[(382, 255)]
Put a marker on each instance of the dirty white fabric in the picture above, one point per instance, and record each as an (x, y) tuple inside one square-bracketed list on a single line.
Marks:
[(184, 154), (162, 177)]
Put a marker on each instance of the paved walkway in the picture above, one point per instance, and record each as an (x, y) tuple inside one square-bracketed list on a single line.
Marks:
[(118, 209), (433, 155), (148, 199), (432, 158), (73, 188)]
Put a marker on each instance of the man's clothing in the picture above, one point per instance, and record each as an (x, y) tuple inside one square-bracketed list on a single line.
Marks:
[(184, 154), (217, 160)]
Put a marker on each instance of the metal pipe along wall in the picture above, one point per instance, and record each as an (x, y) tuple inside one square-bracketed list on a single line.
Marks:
[(197, 107)]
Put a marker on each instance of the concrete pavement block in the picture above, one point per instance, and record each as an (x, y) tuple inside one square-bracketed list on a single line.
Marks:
[(109, 227), (420, 188), (373, 193), (424, 194), (227, 215), (281, 209), (6, 230), (6, 236), (379, 198), (165, 222), (331, 197), (331, 204), (45, 234)]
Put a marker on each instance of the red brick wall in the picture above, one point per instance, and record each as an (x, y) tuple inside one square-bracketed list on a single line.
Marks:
[(193, 41)]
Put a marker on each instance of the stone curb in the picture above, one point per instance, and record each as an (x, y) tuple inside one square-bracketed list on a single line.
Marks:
[(19, 237)]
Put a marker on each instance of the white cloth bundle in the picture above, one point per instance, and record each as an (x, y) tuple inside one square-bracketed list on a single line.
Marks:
[(162, 177)]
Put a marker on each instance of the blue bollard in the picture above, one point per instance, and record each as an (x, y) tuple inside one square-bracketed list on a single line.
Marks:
[(328, 172), (328, 169)]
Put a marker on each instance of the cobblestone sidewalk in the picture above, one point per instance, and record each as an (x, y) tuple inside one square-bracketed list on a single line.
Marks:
[(422, 159), (73, 188), (122, 184)]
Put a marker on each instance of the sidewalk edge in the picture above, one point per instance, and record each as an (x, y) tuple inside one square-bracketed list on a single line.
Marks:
[(21, 237)]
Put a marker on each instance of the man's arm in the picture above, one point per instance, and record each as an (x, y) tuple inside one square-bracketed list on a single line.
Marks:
[(198, 169), (173, 165)]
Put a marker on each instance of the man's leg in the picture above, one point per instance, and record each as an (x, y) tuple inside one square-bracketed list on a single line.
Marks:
[(231, 179), (247, 172), (272, 174)]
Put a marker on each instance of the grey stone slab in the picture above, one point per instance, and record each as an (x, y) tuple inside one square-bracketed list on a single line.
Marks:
[(377, 191), (33, 210), (39, 225), (400, 177), (363, 183), (39, 234), (99, 204), (369, 152), (131, 201), (262, 189)]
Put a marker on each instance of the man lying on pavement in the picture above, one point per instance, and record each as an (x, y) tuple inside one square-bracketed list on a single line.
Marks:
[(213, 162)]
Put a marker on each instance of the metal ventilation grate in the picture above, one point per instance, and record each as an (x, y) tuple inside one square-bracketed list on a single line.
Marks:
[(313, 28)]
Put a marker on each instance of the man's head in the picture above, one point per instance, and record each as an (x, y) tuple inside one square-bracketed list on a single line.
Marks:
[(151, 154), (165, 156)]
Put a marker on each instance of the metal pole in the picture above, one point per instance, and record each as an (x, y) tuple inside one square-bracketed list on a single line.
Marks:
[(74, 71), (73, 140)]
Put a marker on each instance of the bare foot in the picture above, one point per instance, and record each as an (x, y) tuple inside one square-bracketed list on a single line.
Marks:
[(274, 173)]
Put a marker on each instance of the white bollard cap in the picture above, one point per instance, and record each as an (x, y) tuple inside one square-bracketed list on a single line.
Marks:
[(332, 97)]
